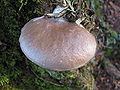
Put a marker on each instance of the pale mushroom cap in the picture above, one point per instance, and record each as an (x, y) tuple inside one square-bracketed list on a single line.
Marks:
[(57, 44)]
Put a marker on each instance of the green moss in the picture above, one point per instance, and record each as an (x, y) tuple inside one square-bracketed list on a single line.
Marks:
[(21, 74)]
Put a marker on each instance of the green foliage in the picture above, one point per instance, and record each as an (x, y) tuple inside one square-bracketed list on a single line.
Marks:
[(112, 42), (111, 38), (3, 80)]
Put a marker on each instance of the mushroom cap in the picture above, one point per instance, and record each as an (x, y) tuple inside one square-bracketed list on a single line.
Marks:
[(56, 44)]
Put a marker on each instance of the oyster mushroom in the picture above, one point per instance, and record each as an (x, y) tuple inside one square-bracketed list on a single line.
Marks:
[(55, 44)]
